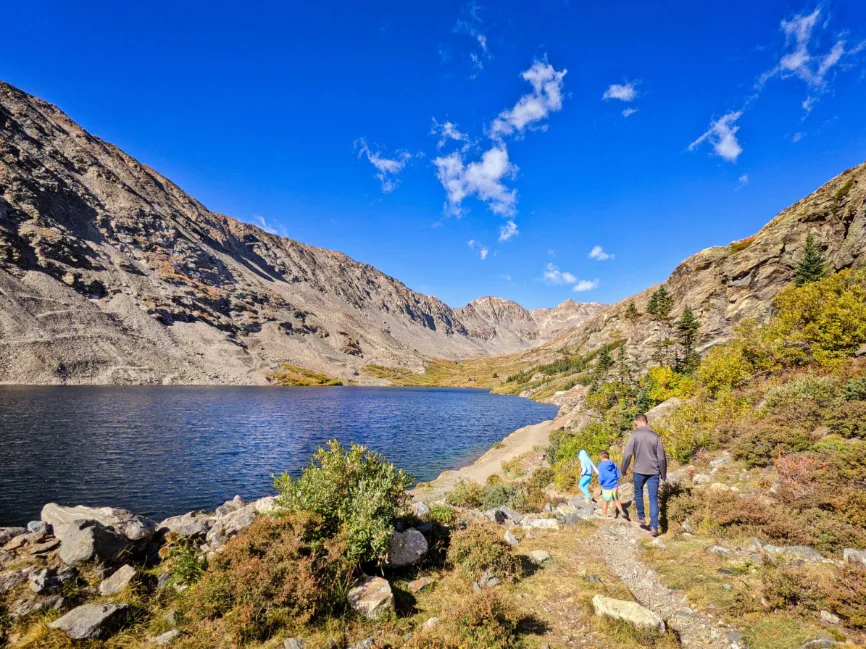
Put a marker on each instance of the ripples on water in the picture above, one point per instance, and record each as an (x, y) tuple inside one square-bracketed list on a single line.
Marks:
[(161, 451)]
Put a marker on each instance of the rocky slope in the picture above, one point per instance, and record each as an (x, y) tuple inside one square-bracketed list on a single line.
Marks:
[(110, 273)]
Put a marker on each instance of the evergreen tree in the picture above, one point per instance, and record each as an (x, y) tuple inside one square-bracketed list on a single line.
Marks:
[(631, 313), (623, 366), (811, 267), (660, 304), (687, 329), (604, 361)]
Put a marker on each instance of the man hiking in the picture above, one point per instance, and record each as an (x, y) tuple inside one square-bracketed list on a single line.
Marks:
[(650, 465)]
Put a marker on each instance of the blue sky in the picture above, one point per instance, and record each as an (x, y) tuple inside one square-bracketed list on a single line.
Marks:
[(398, 133)]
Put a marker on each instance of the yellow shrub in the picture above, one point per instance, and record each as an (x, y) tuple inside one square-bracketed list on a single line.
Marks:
[(725, 367)]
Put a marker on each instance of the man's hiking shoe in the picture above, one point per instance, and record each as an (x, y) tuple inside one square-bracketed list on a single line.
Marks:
[(644, 526), (654, 532)]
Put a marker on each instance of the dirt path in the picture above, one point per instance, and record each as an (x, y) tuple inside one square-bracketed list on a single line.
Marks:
[(517, 443), (619, 543)]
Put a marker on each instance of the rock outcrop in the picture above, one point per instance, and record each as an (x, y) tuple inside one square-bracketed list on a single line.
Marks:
[(110, 273)]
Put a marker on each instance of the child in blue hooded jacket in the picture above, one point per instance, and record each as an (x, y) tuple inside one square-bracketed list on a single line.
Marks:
[(608, 478), (586, 469)]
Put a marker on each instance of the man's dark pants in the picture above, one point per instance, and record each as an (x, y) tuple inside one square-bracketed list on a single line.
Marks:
[(652, 484)]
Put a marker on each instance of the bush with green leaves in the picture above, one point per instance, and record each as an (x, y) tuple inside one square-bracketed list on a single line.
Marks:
[(465, 494), (821, 389), (185, 562), (358, 494), (594, 437), (766, 439), (847, 419), (481, 547), (541, 477), (499, 494), (855, 389)]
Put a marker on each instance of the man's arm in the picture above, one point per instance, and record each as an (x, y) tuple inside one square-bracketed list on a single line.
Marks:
[(663, 460), (627, 455)]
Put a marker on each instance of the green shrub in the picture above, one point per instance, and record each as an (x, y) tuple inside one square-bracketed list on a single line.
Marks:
[(594, 437), (482, 547), (186, 565), (465, 494), (821, 389), (767, 438), (855, 390), (848, 419), (277, 574), (724, 368), (565, 474), (357, 493), (499, 494), (487, 621), (540, 478), (443, 514)]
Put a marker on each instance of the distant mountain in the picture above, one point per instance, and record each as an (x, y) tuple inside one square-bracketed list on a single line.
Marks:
[(110, 273)]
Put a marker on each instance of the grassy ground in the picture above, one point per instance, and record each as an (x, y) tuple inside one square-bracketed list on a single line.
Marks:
[(292, 375), (486, 372)]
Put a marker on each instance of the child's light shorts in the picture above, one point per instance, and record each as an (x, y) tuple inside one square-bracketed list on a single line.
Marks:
[(610, 494)]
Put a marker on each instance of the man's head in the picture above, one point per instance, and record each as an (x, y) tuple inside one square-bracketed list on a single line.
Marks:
[(604, 455), (641, 421)]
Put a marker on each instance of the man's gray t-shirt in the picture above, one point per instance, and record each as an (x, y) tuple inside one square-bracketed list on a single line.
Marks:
[(645, 447)]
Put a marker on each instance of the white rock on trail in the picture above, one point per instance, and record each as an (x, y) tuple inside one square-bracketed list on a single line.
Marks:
[(632, 612)]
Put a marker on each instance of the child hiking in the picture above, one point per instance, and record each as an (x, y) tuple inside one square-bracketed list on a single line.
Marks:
[(608, 478), (586, 469)]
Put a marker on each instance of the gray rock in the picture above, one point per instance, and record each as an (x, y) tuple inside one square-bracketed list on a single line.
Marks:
[(631, 612), (663, 409), (188, 526), (92, 621), (718, 550), (9, 533), (829, 618), (569, 514), (125, 523), (658, 543), (801, 551), (44, 548), (430, 623), (487, 580), (166, 638), (372, 598), (266, 505), (721, 461), (407, 548), (861, 351), (163, 580), (11, 579), (539, 557), (229, 525), (510, 539), (89, 540), (584, 508), (420, 509), (229, 506), (536, 522), (293, 643), (422, 583), (701, 478), (36, 526), (30, 606), (366, 643), (49, 580), (819, 643), (849, 555), (118, 582), (21, 540)]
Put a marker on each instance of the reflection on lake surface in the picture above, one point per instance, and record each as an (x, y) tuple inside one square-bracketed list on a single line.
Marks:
[(161, 451)]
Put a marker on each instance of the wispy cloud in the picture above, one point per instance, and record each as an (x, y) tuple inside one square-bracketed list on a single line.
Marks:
[(387, 168), (599, 254), (448, 131), (622, 92), (742, 181), (553, 275), (269, 226), (508, 230), (796, 137), (628, 112), (585, 285), (545, 98), (471, 24), (722, 135), (480, 248)]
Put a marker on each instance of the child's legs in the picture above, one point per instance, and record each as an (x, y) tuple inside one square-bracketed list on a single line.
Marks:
[(583, 484), (604, 507)]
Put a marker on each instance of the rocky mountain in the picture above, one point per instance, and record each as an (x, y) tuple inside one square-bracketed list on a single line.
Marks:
[(725, 285), (110, 273)]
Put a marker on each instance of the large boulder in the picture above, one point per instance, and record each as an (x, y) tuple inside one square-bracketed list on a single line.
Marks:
[(230, 525), (89, 540), (188, 526), (663, 409), (632, 612), (407, 548), (125, 523), (372, 598), (92, 621)]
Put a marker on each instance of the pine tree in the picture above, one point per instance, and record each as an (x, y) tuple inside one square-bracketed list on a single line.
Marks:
[(811, 267), (687, 329), (631, 313), (623, 366), (604, 361), (660, 304)]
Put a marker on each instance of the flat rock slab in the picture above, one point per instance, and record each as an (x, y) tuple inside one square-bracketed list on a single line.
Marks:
[(638, 616), (372, 598), (9, 533), (124, 522), (11, 579), (420, 584), (166, 638), (539, 557), (91, 621), (118, 582), (89, 540), (188, 526)]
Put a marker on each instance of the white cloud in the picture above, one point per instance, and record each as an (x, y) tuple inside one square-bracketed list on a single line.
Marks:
[(470, 24), (480, 247), (722, 134), (545, 98), (623, 92), (508, 230), (387, 168), (553, 275), (482, 179), (448, 131), (585, 285), (599, 254), (628, 112), (796, 137), (742, 181), (269, 226)]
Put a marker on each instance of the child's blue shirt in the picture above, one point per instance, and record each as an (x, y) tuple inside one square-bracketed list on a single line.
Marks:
[(608, 474)]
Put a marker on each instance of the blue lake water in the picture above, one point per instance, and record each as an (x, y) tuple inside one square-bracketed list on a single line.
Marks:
[(161, 451)]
